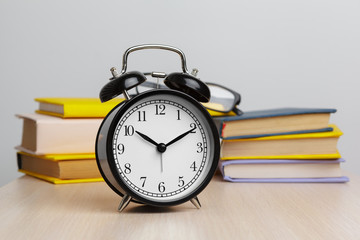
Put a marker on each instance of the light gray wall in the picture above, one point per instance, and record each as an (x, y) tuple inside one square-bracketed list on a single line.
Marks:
[(276, 53)]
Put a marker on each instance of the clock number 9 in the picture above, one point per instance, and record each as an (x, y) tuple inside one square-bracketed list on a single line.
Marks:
[(121, 148)]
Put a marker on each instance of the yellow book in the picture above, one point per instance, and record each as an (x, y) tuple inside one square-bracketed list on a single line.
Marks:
[(85, 107), (220, 114), (320, 145), (76, 107), (61, 166), (60, 181)]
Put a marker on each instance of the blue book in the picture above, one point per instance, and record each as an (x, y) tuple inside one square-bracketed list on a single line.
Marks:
[(280, 171), (279, 121)]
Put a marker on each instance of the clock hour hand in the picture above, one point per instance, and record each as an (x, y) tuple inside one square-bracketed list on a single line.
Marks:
[(180, 137), (160, 147), (147, 138)]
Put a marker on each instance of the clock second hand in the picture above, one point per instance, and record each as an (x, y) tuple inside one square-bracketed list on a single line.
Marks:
[(161, 162)]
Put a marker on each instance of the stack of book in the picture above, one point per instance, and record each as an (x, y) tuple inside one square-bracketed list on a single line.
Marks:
[(58, 141), (280, 145)]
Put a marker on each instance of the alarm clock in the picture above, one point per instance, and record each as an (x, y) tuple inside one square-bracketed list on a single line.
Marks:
[(160, 147)]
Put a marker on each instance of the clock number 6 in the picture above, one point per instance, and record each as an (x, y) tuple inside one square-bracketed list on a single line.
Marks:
[(161, 187)]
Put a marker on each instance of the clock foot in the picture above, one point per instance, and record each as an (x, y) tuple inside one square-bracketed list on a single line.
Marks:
[(195, 201), (124, 202)]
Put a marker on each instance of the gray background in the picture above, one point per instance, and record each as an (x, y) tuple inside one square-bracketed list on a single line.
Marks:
[(275, 53)]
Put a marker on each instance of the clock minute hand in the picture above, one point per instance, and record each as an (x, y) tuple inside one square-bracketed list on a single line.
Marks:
[(180, 137), (147, 138)]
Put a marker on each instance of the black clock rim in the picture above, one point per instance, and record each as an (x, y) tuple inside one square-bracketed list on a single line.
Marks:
[(100, 167), (96, 152), (111, 161)]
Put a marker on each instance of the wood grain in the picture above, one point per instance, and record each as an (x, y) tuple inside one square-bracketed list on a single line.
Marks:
[(34, 209)]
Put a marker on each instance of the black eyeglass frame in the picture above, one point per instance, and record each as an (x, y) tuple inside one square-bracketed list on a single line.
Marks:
[(237, 96), (236, 102)]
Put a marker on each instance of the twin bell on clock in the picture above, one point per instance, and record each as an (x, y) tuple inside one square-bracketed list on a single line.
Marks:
[(160, 147)]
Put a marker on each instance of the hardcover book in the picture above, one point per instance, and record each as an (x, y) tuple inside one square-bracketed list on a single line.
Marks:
[(258, 170), (274, 122), (318, 145), (44, 134), (76, 107), (85, 107), (60, 181), (62, 166)]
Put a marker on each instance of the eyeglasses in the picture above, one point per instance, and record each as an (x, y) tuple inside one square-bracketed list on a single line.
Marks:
[(222, 100)]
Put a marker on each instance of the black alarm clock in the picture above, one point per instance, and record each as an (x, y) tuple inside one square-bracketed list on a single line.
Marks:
[(160, 147)]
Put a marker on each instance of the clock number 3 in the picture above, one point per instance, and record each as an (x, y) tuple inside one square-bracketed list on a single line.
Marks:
[(200, 147)]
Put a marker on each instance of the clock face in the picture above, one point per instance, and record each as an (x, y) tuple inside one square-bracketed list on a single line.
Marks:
[(163, 147)]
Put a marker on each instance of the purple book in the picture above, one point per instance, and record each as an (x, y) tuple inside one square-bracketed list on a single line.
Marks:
[(339, 179)]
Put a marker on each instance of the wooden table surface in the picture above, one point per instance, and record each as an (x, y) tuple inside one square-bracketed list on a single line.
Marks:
[(34, 209)]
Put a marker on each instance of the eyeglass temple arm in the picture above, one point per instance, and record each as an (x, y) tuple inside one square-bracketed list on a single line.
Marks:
[(237, 111)]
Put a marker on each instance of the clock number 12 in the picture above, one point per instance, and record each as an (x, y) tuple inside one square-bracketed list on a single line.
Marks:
[(159, 109)]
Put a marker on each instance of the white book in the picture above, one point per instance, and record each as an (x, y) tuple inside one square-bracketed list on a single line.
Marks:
[(44, 134)]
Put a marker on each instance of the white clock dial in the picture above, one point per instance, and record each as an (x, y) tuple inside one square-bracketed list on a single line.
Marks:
[(161, 148)]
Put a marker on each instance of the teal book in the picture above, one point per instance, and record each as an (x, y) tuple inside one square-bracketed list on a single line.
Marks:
[(278, 121)]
